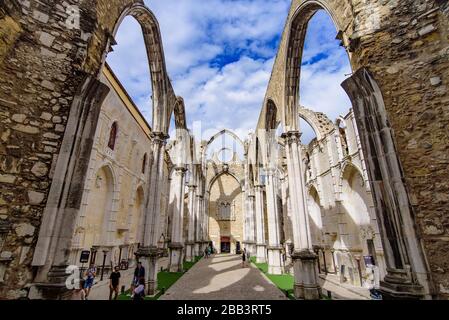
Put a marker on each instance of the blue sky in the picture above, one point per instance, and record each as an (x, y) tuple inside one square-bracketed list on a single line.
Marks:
[(219, 55)]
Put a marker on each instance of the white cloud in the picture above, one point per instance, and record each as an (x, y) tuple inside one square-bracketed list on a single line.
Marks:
[(219, 56)]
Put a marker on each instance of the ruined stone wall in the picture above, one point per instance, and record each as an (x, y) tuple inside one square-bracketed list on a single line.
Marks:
[(340, 221), (44, 58), (405, 46), (119, 219)]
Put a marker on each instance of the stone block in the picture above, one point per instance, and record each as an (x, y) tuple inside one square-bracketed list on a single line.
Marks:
[(26, 129), (20, 118), (39, 169), (35, 198), (24, 230), (7, 178), (46, 39)]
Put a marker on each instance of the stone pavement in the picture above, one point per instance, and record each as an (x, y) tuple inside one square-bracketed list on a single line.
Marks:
[(222, 277)]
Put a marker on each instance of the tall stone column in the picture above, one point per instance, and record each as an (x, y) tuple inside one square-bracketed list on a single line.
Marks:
[(190, 244), (198, 225), (206, 221), (304, 258), (52, 251), (149, 253), (252, 223), (176, 245), (261, 254), (204, 231), (274, 245)]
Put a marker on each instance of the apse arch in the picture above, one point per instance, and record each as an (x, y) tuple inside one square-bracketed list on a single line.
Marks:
[(222, 173)]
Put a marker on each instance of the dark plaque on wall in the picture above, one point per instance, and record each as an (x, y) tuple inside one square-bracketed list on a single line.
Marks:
[(84, 256), (369, 260)]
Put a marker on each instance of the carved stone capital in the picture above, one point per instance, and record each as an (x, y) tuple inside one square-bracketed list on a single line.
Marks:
[(159, 137), (292, 137), (304, 255), (149, 252), (180, 170)]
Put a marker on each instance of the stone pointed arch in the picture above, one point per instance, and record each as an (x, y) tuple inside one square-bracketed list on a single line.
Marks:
[(180, 114), (319, 122), (161, 87), (346, 168), (224, 172), (296, 34), (271, 115), (222, 132)]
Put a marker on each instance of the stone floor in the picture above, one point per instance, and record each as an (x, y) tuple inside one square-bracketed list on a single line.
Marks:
[(222, 278)]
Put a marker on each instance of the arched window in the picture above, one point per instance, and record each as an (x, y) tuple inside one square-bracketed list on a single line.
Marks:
[(144, 163), (113, 136)]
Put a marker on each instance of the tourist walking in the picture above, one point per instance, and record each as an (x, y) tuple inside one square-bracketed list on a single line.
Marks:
[(90, 274), (244, 258), (114, 283)]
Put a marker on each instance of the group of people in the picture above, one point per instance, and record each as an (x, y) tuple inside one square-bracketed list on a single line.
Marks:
[(86, 284)]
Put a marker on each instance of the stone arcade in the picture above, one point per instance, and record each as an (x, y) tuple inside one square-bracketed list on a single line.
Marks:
[(81, 170)]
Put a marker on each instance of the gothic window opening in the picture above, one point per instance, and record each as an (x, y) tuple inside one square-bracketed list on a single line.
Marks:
[(113, 136), (144, 163), (226, 211)]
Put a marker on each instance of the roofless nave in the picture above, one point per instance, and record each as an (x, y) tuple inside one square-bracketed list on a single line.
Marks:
[(82, 170)]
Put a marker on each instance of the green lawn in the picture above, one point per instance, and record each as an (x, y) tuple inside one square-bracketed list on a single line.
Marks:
[(165, 280), (284, 282)]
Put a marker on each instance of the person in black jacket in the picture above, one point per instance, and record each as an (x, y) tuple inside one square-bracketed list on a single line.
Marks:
[(139, 273)]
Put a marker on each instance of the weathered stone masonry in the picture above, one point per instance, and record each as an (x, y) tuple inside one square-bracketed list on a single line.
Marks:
[(43, 63), (405, 47)]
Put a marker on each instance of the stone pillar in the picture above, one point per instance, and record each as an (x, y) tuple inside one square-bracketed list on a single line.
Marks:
[(176, 245), (304, 259), (198, 225), (190, 244), (204, 230), (274, 245), (408, 272), (149, 253), (252, 223), (206, 220), (261, 254), (52, 251)]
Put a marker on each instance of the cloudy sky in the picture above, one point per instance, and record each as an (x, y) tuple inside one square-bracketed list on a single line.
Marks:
[(219, 55)]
